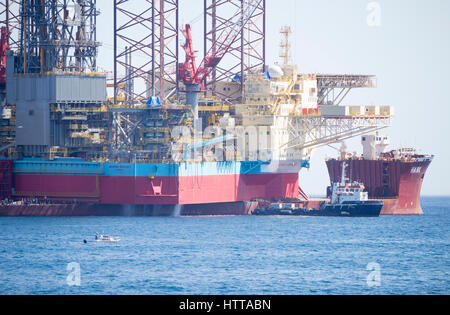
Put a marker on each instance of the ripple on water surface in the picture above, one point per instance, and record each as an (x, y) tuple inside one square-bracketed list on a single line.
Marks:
[(229, 255)]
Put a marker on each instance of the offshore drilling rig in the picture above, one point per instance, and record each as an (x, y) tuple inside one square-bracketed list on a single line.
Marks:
[(65, 140)]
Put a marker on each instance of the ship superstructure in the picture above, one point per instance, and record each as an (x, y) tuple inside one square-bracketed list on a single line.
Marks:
[(172, 133)]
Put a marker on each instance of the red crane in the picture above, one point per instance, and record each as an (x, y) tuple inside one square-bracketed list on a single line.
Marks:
[(194, 77), (188, 69), (3, 48)]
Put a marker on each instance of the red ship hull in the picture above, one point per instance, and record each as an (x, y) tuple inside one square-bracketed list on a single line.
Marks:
[(397, 183), (85, 209), (142, 191), (77, 188)]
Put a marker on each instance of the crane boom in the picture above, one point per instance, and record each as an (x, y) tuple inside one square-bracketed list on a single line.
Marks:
[(189, 68), (219, 48), (3, 48), (224, 41), (193, 77)]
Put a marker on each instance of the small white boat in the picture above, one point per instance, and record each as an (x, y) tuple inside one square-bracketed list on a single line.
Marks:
[(105, 238)]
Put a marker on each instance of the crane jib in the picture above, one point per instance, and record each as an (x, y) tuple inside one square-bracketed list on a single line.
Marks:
[(226, 38)]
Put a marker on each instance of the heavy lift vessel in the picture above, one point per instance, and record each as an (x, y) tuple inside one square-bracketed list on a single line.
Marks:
[(192, 142), (395, 177)]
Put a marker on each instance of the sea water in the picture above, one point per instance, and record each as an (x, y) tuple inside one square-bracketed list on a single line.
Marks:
[(229, 255)]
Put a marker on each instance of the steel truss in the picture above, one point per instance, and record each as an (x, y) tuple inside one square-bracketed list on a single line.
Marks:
[(313, 132), (146, 52), (247, 52), (334, 88), (146, 49), (10, 18), (58, 35)]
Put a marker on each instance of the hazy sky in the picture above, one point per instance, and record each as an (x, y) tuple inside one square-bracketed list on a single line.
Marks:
[(409, 52)]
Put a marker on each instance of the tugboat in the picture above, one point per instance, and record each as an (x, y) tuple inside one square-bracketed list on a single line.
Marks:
[(348, 199)]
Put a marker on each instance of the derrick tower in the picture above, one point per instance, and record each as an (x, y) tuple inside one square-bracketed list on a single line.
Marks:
[(53, 90), (247, 53), (145, 49), (58, 35)]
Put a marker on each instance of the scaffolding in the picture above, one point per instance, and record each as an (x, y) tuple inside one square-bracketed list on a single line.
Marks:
[(58, 35), (57, 38), (10, 18), (247, 53), (146, 49)]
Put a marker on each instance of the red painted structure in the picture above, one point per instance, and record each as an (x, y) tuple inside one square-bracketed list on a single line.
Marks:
[(3, 48), (197, 189), (397, 182), (161, 190)]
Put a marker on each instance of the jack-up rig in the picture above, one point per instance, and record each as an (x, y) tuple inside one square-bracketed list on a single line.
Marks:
[(59, 125)]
